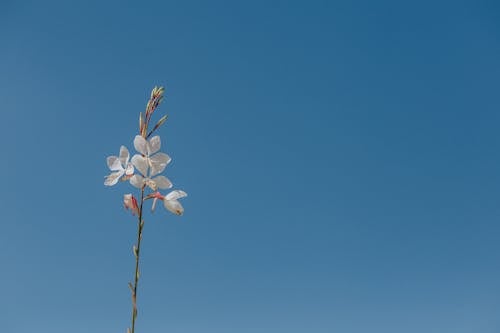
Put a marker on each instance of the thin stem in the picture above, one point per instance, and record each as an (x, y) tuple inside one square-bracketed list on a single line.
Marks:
[(137, 251)]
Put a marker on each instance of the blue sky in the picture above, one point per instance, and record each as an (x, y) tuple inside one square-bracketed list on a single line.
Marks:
[(341, 160)]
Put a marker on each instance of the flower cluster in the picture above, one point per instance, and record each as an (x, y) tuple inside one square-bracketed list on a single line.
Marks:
[(143, 169)]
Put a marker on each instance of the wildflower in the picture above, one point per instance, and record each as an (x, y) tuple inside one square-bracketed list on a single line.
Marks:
[(120, 165), (130, 202), (149, 164), (170, 201), (150, 160)]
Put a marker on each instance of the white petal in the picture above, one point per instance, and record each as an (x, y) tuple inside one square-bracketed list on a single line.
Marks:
[(141, 163), (137, 181), (174, 206), (174, 195), (113, 178), (162, 182), (114, 163), (124, 155), (141, 145), (159, 163), (110, 160), (154, 144)]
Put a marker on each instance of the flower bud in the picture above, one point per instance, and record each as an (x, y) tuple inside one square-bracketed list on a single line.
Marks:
[(130, 202)]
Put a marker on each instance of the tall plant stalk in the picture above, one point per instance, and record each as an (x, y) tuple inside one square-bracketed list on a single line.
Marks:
[(143, 173), (137, 254)]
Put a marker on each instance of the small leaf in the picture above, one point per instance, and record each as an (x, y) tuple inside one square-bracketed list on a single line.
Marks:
[(131, 287), (134, 249)]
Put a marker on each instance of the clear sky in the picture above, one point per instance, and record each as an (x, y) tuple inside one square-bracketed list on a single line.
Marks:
[(341, 160)]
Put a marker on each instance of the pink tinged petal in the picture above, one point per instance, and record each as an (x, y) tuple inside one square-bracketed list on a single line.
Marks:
[(141, 163), (113, 178), (137, 181), (141, 145), (114, 163), (162, 182), (174, 206), (130, 202), (174, 195), (159, 163), (124, 155), (154, 144)]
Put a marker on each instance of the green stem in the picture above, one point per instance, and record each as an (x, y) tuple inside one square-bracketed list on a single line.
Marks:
[(140, 225)]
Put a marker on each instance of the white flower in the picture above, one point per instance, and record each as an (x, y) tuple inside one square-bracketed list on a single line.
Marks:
[(149, 164), (150, 157), (120, 165), (170, 201)]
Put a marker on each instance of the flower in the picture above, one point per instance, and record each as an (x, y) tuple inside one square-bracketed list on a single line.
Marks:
[(161, 182), (130, 202), (149, 164), (120, 165), (150, 157), (170, 201)]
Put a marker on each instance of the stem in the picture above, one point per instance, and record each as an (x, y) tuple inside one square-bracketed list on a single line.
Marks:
[(140, 225)]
